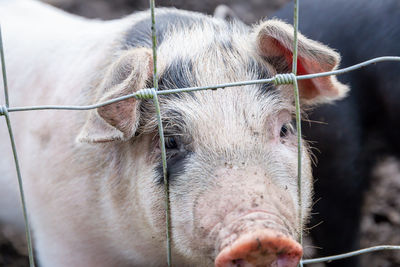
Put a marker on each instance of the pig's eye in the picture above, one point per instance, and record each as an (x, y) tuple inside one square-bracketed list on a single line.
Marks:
[(286, 129), (171, 142)]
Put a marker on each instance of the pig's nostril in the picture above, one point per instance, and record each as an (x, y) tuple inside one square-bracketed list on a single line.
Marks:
[(284, 260), (239, 263), (262, 248)]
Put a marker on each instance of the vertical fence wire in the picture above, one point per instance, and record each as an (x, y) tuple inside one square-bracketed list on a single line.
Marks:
[(4, 111), (164, 165), (298, 115), (3, 68), (21, 190), (154, 44), (161, 133)]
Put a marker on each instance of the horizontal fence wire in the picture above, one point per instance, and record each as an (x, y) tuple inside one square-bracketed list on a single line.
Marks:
[(144, 93), (153, 93), (350, 254)]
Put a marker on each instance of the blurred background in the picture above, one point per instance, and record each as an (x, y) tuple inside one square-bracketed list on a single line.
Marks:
[(381, 212)]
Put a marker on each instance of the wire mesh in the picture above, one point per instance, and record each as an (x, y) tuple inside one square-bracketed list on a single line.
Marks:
[(153, 93)]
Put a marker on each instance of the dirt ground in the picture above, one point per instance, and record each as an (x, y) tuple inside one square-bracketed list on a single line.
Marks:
[(381, 215), (381, 212)]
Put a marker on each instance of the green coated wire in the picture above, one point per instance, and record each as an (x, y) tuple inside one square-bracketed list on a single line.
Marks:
[(139, 94), (350, 254), (3, 69), (298, 117), (295, 41), (161, 133), (154, 44), (299, 161), (4, 111), (164, 164), (21, 191)]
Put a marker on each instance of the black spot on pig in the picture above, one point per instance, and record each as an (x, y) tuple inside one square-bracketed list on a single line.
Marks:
[(175, 166), (176, 144), (171, 20), (178, 74), (261, 72)]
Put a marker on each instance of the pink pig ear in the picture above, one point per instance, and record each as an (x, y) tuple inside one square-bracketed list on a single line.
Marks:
[(275, 43), (118, 121)]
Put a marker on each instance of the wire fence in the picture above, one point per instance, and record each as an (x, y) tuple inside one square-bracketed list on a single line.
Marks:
[(153, 93)]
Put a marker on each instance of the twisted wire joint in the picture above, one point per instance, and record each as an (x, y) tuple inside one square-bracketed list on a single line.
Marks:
[(285, 78), (147, 93)]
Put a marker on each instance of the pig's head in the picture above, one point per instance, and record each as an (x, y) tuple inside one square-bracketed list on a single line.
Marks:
[(232, 153)]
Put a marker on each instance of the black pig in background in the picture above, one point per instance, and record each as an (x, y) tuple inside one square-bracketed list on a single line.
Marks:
[(352, 134)]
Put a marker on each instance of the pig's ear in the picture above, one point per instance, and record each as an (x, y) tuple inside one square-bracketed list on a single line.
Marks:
[(275, 44), (118, 121)]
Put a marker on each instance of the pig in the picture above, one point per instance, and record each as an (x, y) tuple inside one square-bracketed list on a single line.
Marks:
[(93, 179), (359, 130)]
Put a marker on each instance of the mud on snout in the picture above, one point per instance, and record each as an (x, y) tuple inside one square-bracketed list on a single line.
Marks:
[(256, 228)]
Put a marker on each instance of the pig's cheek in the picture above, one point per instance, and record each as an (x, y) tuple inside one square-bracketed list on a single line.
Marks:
[(287, 149), (204, 220), (206, 226), (287, 155), (186, 239), (155, 199), (151, 192), (285, 164)]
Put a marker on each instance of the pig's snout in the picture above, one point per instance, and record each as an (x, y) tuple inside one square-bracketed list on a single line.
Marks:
[(261, 249), (248, 220)]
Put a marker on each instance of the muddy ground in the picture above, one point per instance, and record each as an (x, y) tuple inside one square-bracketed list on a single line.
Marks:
[(381, 213)]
